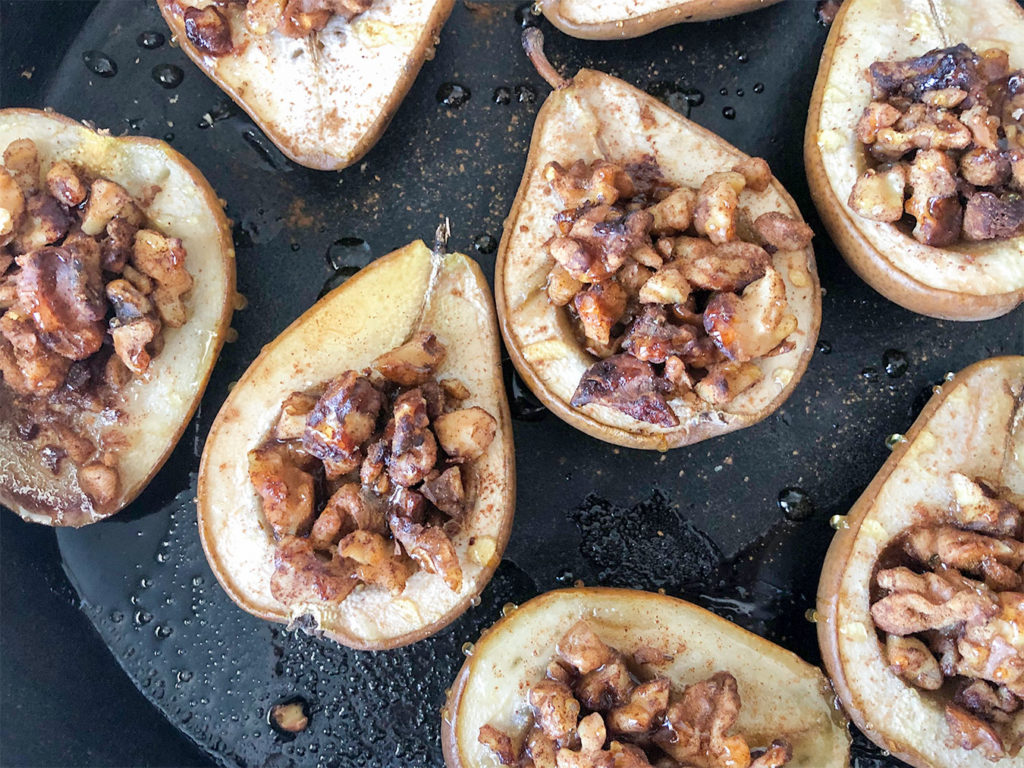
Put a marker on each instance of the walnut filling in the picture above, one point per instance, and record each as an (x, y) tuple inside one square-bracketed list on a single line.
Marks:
[(208, 24), (86, 289), (950, 605), (945, 132), (597, 709), (669, 287), (370, 478)]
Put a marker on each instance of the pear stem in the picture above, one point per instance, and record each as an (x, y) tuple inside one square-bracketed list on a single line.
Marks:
[(533, 44)]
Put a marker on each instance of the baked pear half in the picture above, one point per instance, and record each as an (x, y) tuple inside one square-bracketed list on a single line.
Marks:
[(920, 604), (321, 78), (660, 681), (611, 19), (915, 151), (359, 479), (117, 282), (655, 285)]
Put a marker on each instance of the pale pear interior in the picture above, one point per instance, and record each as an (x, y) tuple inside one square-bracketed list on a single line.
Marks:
[(608, 12), (319, 97), (782, 696), (601, 117), (978, 430), (156, 406), (373, 312), (877, 30)]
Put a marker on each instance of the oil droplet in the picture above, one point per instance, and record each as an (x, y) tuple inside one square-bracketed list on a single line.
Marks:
[(523, 405), (723, 91), (812, 616), (694, 97), (198, 581), (893, 440), (240, 302), (870, 373), (671, 96), (452, 95), (728, 113), (230, 336), (145, 582), (485, 244), (99, 63), (758, 88), (475, 601), (937, 389), (795, 503), (135, 123), (895, 363), (508, 608), (183, 676), (467, 649), (168, 75), (565, 577), (742, 58), (116, 616), (502, 95), (661, 590), (150, 40), (525, 94), (162, 631), (142, 618), (824, 348), (578, 583), (949, 376), (348, 252), (838, 522), (168, 137)]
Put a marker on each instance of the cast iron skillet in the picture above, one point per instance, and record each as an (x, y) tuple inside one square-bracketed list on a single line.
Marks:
[(704, 522)]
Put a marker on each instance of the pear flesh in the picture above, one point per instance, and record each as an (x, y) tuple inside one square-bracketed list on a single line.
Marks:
[(610, 19), (157, 407), (973, 428), (781, 695), (598, 117), (966, 280), (373, 312), (325, 98)]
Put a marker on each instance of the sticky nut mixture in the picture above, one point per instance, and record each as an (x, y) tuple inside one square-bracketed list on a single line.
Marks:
[(208, 25), (945, 137), (87, 288), (369, 479), (595, 709), (949, 604), (671, 288)]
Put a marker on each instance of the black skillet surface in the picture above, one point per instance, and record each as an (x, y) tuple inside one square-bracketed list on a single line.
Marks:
[(703, 522)]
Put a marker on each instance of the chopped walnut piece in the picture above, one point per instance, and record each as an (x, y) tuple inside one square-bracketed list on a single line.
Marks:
[(878, 194), (414, 362), (100, 483), (446, 492), (134, 328), (943, 131), (29, 366), (626, 384), (675, 212), (978, 508), (751, 325), (697, 724), (583, 649), (285, 489), (652, 338), (666, 286), (726, 381), (208, 30), (640, 713), (877, 115), (990, 650), (607, 686), (988, 216), (985, 167), (455, 390), (326, 530), (292, 422), (970, 732), (983, 126), (163, 259), (499, 743), (45, 222), (726, 267), (541, 749), (465, 434), (599, 183), (357, 509), (916, 603), (783, 232), (599, 307), (107, 200), (592, 736), (778, 754), (554, 708), (65, 185), (562, 286), (611, 237), (376, 561), (717, 203), (967, 551), (755, 172), (21, 158), (431, 548), (12, 206), (300, 576), (343, 419), (932, 176), (910, 659)]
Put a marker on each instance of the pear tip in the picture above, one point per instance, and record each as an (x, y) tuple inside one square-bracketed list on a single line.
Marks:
[(533, 44)]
